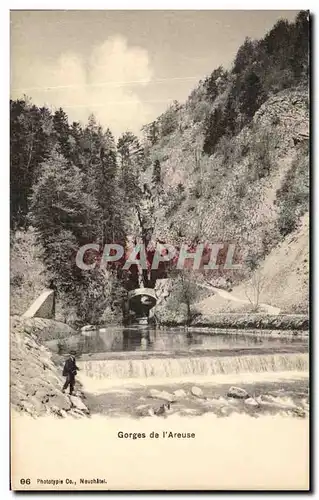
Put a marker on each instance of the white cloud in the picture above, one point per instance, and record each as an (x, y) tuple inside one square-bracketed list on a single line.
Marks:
[(103, 84)]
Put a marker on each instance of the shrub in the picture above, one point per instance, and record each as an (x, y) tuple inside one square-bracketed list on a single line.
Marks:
[(260, 158), (185, 292), (293, 197)]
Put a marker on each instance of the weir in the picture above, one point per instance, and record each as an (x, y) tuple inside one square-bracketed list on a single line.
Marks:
[(205, 366)]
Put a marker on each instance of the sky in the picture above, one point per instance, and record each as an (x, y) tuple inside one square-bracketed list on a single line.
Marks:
[(125, 67)]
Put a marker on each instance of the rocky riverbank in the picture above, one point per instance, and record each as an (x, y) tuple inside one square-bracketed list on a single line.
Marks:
[(36, 374)]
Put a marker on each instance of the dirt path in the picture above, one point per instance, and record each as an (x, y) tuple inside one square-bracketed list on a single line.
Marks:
[(230, 296)]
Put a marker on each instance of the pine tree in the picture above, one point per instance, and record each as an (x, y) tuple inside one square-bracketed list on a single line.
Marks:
[(245, 56), (252, 94), (30, 144), (300, 57), (152, 132), (131, 157), (59, 207), (156, 177), (62, 131), (64, 216), (76, 143), (215, 128)]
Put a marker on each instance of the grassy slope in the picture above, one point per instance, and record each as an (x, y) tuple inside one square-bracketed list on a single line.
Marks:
[(286, 271), (285, 284)]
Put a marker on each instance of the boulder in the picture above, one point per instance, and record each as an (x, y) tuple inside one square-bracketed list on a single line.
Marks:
[(251, 402), (141, 407), (42, 395), (299, 412), (55, 410), (28, 407), (196, 391), (154, 393), (38, 406), (61, 401), (163, 409), (265, 398), (180, 394), (74, 413), (78, 404), (78, 412), (225, 411), (237, 392), (145, 411), (88, 328)]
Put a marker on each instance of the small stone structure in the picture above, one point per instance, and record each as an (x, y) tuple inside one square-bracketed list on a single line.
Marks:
[(141, 300), (42, 307)]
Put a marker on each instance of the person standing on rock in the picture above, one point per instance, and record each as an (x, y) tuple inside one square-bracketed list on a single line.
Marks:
[(69, 371)]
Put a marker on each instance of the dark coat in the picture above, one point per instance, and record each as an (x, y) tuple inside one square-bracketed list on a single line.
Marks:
[(70, 367)]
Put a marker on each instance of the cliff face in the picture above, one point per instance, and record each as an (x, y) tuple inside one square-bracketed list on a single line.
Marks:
[(243, 174), (253, 191)]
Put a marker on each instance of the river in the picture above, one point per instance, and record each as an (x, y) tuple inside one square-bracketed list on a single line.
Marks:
[(124, 367)]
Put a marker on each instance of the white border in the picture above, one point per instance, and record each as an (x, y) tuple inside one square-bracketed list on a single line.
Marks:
[(162, 5), (4, 208)]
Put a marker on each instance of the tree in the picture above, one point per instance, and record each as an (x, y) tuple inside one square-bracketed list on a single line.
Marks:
[(130, 149), (300, 58), (60, 213), (131, 157), (168, 121), (292, 199), (65, 218), (156, 177), (151, 132), (215, 129), (76, 143), (245, 55), (252, 94), (99, 165), (30, 144), (278, 38), (254, 288), (186, 291), (62, 132), (216, 82)]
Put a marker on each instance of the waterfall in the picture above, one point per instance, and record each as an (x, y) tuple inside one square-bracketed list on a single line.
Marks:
[(177, 367)]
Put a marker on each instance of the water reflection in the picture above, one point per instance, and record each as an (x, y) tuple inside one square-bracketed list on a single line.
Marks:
[(148, 339), (135, 340)]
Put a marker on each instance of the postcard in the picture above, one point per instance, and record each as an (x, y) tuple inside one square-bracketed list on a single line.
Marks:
[(159, 210)]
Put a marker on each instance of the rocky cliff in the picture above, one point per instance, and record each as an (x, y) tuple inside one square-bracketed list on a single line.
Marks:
[(252, 191)]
